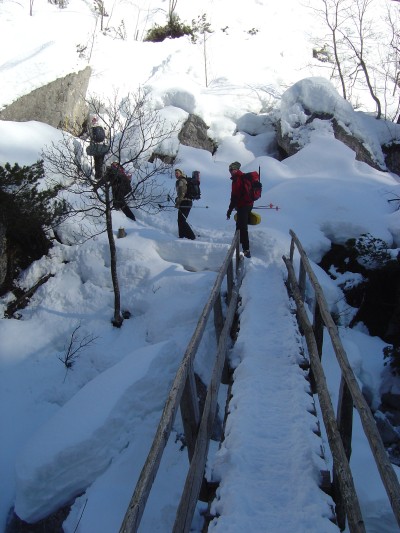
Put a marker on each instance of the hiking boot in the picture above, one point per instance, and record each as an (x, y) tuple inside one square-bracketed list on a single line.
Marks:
[(247, 253)]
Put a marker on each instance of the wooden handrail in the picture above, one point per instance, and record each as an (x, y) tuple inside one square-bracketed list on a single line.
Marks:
[(185, 512), (384, 466), (182, 384), (346, 482)]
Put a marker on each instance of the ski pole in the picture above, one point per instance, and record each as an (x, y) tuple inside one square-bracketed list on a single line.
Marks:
[(270, 206), (169, 199)]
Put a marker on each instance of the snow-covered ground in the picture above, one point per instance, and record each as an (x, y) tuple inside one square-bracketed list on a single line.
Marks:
[(87, 430)]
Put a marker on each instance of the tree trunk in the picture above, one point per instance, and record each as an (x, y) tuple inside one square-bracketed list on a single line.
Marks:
[(117, 320), (98, 166)]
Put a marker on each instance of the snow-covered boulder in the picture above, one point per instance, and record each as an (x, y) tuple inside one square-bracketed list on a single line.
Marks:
[(314, 104), (79, 442)]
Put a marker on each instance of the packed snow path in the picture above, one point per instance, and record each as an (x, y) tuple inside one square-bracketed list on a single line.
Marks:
[(270, 461)]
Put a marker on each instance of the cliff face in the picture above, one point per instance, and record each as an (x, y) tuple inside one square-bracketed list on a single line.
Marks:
[(60, 103)]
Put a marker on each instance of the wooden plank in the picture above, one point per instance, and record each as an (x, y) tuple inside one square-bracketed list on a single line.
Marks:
[(385, 468), (345, 478), (190, 495)]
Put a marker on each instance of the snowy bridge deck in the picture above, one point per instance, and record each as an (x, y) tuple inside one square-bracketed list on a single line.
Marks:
[(268, 466)]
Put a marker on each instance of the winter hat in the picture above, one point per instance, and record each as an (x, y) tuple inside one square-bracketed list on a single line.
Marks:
[(235, 165)]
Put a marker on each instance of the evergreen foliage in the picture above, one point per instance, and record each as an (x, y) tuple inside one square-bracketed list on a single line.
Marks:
[(369, 251), (27, 210), (392, 355)]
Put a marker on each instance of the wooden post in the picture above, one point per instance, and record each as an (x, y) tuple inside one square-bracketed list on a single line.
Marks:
[(237, 248), (345, 425), (291, 254), (386, 471), (229, 281), (318, 327), (190, 412), (302, 280), (187, 505), (183, 382), (345, 479), (218, 317), (345, 416)]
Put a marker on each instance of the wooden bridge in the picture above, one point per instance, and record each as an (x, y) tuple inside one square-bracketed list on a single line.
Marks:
[(183, 397)]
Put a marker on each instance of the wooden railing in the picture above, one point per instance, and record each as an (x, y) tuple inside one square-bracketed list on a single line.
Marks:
[(339, 427), (183, 394)]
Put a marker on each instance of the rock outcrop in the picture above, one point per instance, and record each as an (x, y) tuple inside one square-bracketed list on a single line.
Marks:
[(194, 134), (60, 103)]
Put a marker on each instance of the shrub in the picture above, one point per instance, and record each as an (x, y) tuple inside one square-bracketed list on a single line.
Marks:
[(26, 211), (392, 354), (370, 252), (172, 30)]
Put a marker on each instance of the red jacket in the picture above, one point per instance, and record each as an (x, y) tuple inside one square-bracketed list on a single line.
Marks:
[(240, 195)]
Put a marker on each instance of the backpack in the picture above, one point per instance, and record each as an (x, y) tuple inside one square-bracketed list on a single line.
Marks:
[(98, 134), (253, 185), (193, 186), (120, 180)]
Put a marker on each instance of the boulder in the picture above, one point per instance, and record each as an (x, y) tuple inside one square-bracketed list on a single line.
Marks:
[(312, 100), (194, 134), (60, 103)]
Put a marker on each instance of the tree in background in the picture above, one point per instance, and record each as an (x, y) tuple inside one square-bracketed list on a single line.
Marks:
[(202, 26), (363, 49), (28, 211), (136, 138)]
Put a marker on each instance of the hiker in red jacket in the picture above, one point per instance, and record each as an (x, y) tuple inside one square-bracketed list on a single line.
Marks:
[(243, 203)]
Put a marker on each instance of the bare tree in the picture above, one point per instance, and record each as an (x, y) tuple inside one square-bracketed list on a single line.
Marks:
[(202, 26), (333, 16), (99, 8), (351, 25), (136, 134), (359, 35), (75, 346), (390, 63)]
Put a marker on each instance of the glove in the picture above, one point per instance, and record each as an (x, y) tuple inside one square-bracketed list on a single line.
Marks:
[(177, 203), (228, 214)]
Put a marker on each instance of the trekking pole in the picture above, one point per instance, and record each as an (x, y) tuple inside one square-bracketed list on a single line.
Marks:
[(184, 216), (270, 206), (169, 199)]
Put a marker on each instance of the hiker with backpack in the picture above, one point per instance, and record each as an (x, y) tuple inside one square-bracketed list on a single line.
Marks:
[(121, 187), (97, 133), (184, 204), (241, 200)]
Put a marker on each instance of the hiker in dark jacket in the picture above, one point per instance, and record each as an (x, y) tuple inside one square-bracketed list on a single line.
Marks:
[(184, 205), (241, 201), (120, 183)]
